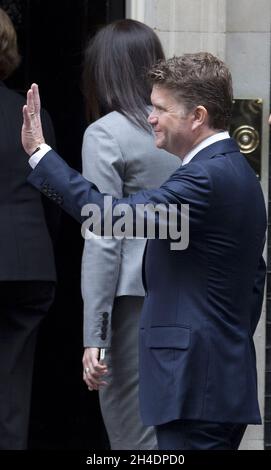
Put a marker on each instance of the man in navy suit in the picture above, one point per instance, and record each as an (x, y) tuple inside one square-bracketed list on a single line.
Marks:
[(198, 380)]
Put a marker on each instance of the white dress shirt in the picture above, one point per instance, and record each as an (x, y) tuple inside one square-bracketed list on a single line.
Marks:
[(37, 156), (205, 143), (44, 148)]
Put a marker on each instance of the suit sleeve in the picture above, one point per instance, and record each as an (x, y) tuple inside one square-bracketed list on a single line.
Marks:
[(103, 164), (51, 211), (189, 185)]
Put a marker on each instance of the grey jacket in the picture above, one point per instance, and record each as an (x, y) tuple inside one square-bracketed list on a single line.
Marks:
[(120, 159)]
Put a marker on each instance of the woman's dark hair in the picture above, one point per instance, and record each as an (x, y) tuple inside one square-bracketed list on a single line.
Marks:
[(116, 64), (9, 56)]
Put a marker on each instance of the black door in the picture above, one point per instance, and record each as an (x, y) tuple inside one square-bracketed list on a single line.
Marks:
[(51, 36)]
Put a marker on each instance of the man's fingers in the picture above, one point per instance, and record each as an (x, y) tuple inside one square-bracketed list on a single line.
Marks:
[(27, 121), (36, 97), (30, 102), (32, 135)]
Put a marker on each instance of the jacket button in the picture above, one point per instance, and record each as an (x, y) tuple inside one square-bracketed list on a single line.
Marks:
[(103, 337)]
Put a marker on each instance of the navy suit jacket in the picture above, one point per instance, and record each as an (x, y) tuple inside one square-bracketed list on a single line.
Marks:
[(27, 219), (202, 305)]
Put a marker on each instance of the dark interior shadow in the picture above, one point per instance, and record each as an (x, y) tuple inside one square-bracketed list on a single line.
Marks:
[(52, 35)]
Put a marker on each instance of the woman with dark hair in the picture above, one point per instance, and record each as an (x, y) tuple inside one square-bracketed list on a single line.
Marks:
[(120, 157), (9, 55)]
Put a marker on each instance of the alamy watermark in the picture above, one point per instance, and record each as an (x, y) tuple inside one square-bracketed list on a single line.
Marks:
[(162, 221)]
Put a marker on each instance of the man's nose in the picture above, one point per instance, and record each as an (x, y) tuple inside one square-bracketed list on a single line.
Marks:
[(152, 119)]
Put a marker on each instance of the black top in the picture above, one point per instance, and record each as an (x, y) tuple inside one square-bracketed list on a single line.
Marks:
[(26, 251)]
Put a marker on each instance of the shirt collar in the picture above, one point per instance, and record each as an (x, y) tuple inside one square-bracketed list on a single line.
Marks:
[(205, 143)]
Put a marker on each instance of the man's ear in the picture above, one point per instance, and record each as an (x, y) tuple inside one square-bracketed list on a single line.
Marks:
[(200, 117)]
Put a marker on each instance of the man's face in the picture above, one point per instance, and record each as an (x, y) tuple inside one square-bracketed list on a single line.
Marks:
[(171, 123)]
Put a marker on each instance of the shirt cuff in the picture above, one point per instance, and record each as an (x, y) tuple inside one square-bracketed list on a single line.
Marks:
[(37, 156)]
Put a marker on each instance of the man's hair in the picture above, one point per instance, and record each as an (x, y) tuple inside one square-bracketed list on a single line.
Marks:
[(116, 64), (198, 79), (9, 56)]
